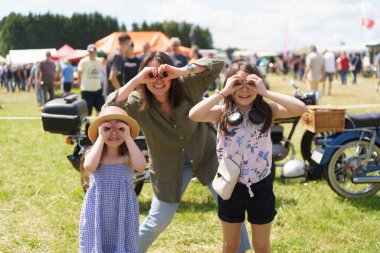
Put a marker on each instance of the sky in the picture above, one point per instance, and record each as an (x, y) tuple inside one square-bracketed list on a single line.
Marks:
[(247, 25)]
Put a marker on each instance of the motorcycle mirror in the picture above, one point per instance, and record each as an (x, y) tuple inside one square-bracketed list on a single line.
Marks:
[(293, 83), (317, 96)]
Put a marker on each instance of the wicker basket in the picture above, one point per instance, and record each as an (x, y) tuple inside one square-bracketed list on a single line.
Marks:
[(323, 118)]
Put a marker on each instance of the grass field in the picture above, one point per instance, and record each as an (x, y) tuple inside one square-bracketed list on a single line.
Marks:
[(41, 197)]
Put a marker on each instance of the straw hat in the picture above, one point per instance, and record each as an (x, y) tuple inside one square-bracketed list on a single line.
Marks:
[(113, 113)]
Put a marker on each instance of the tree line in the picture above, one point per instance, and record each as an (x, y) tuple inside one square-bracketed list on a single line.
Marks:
[(30, 31), (199, 36), (48, 30)]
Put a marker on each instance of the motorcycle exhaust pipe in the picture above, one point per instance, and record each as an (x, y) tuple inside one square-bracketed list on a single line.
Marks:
[(366, 180)]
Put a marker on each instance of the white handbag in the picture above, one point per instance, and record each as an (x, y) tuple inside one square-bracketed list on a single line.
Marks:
[(229, 170)]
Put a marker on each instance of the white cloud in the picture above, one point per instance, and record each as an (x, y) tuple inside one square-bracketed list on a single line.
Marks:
[(246, 24)]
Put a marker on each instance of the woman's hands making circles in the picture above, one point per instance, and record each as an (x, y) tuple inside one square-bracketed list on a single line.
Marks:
[(163, 72)]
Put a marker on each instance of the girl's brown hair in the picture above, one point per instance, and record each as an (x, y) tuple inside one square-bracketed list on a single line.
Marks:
[(84, 175), (175, 91), (258, 104)]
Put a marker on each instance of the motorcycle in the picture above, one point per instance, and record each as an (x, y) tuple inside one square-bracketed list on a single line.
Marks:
[(283, 149), (352, 157), (65, 116)]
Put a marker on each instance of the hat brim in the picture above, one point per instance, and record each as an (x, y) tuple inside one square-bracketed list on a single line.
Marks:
[(133, 125)]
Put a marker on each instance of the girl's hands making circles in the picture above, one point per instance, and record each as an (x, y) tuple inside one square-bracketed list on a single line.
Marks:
[(105, 130), (123, 130), (256, 84), (233, 83)]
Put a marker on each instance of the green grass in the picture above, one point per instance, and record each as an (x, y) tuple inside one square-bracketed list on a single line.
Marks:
[(41, 197)]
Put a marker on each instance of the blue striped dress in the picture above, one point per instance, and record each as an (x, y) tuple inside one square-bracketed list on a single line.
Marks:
[(109, 219)]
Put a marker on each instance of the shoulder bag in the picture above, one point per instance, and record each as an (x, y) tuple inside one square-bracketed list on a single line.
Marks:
[(229, 170)]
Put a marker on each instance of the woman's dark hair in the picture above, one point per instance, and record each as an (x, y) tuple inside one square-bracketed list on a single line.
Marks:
[(259, 104), (175, 91), (84, 175)]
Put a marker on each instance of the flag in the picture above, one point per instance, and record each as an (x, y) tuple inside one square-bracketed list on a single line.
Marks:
[(368, 23), (192, 36)]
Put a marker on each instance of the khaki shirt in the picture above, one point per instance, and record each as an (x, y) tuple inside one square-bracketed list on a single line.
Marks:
[(171, 142), (316, 66)]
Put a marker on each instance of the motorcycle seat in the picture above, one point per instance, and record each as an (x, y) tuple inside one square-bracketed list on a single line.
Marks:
[(362, 120)]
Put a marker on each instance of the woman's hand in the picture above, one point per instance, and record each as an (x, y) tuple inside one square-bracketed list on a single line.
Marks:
[(233, 83), (256, 84), (123, 130), (146, 75), (168, 72)]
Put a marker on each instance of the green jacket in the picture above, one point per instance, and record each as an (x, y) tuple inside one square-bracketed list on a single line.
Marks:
[(171, 142)]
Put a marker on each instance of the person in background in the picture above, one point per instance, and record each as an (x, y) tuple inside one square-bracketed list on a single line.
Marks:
[(179, 59), (8, 75), (355, 66), (194, 53), (109, 219), (295, 66), (114, 63), (2, 76), (33, 83), (159, 99), (377, 66), (253, 194), (45, 76), (146, 48), (129, 65), (329, 58), (315, 69), (89, 76), (67, 72), (344, 63)]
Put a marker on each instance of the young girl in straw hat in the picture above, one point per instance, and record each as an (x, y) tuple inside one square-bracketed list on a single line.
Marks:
[(109, 219)]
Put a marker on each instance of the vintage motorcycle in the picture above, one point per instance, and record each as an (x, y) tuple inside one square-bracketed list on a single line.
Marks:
[(283, 148), (352, 157), (68, 116)]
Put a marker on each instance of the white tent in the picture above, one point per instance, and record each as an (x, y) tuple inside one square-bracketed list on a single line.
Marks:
[(25, 56), (2, 59), (349, 48)]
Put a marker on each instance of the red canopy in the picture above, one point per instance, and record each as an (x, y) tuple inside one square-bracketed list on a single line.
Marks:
[(64, 52)]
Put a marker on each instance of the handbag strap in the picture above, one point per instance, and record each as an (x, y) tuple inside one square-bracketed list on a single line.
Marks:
[(245, 139)]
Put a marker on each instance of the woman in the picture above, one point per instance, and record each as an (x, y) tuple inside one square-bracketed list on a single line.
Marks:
[(178, 147)]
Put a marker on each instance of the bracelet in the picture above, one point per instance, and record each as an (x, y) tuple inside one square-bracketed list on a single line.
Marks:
[(221, 94)]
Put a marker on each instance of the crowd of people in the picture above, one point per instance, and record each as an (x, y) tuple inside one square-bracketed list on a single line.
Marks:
[(318, 68)]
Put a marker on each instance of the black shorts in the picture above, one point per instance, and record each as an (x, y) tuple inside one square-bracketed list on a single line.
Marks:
[(260, 208), (93, 99)]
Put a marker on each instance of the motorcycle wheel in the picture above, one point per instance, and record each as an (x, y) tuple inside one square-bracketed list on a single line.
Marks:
[(345, 164), (138, 187)]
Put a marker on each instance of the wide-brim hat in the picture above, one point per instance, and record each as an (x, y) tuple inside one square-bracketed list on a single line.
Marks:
[(113, 113)]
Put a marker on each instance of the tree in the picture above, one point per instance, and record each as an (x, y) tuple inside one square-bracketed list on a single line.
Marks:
[(44, 31), (180, 30)]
